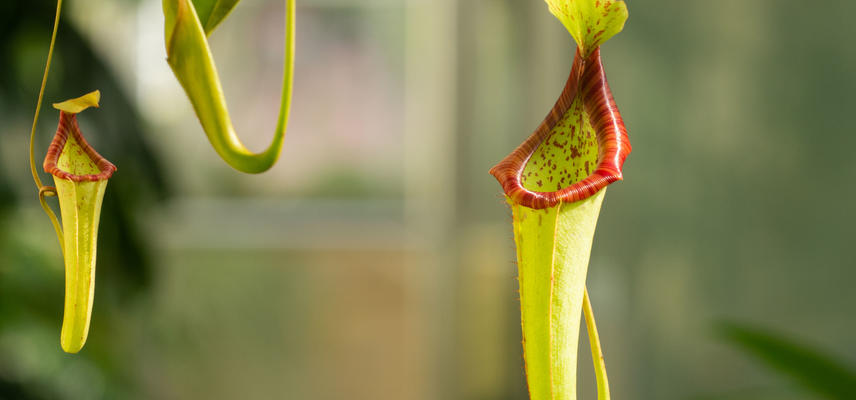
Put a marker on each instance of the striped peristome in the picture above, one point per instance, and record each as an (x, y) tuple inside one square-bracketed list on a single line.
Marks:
[(585, 101), (68, 138)]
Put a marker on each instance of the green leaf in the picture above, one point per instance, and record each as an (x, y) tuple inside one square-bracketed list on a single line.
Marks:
[(212, 12), (590, 22), (553, 249), (806, 366), (191, 61)]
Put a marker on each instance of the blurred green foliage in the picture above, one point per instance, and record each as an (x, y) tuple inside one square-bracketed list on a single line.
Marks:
[(806, 366)]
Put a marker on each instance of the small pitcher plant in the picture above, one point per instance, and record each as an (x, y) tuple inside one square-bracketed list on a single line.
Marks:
[(555, 183), (81, 174)]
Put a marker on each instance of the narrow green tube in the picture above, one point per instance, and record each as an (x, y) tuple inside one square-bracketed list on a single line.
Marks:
[(553, 249), (80, 207)]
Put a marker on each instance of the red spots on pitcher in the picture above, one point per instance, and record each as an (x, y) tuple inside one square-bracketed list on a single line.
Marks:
[(583, 131)]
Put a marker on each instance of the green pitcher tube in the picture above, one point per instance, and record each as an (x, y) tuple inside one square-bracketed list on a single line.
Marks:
[(80, 175)]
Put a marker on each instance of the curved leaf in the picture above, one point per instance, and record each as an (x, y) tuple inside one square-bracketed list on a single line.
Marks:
[(191, 61), (806, 366), (212, 12)]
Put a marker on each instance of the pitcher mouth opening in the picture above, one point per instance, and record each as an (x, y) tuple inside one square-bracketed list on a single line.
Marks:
[(68, 133), (587, 85)]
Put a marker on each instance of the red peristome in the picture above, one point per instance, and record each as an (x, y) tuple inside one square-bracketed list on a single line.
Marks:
[(589, 79), (68, 126)]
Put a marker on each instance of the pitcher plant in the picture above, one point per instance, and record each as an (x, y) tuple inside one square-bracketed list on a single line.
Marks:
[(555, 183), (80, 173)]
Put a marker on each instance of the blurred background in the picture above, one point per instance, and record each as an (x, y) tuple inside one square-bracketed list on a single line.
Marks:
[(376, 261)]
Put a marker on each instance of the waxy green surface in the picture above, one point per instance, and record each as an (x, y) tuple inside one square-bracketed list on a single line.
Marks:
[(212, 12), (553, 248), (80, 211)]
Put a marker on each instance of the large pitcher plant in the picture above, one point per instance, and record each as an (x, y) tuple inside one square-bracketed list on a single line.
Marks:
[(80, 173), (555, 183)]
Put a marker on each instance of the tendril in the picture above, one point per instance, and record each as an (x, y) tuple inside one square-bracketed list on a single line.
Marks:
[(46, 191)]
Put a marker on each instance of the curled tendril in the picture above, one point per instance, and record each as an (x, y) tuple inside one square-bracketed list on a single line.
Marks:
[(50, 191)]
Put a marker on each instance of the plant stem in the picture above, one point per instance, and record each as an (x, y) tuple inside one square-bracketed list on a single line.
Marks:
[(36, 178), (596, 349), (46, 190)]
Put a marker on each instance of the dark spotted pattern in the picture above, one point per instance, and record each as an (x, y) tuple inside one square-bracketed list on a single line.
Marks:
[(556, 154)]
